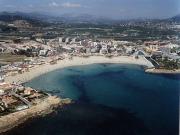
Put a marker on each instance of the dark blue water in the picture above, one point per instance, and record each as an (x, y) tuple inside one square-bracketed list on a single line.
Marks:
[(110, 99)]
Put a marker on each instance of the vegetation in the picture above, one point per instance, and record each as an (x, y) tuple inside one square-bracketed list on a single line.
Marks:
[(169, 64), (9, 58)]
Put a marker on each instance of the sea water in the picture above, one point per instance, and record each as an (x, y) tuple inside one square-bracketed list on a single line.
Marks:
[(109, 99)]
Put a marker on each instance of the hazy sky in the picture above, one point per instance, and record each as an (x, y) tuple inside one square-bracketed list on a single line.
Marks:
[(108, 8)]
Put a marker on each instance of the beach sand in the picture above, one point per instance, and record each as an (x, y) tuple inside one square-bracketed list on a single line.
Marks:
[(76, 61), (9, 121)]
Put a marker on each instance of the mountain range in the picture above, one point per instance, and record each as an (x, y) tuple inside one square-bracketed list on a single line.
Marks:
[(68, 18)]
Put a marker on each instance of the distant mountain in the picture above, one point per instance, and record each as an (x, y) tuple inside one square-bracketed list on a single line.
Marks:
[(9, 17), (44, 19), (37, 18), (32, 18), (83, 18), (66, 18), (176, 18)]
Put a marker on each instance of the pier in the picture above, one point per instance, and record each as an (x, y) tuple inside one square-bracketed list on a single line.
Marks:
[(22, 99)]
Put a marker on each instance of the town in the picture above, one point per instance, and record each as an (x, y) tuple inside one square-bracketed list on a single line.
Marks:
[(24, 46)]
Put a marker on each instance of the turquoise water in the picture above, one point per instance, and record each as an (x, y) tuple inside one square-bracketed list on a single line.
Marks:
[(109, 99)]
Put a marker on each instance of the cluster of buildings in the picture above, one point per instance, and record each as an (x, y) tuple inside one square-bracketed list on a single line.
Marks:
[(106, 46), (15, 97), (163, 49), (29, 48), (26, 65), (89, 46), (40, 52)]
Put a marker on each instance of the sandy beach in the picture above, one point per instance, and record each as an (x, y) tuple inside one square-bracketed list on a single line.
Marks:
[(45, 107), (76, 61)]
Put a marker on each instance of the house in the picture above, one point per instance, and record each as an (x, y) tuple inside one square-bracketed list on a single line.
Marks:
[(171, 46), (1, 92), (60, 40), (5, 86), (129, 50), (8, 100), (43, 52), (67, 40), (104, 49), (27, 91), (151, 46), (1, 78)]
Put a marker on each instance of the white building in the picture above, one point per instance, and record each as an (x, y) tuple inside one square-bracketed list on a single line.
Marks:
[(1, 79), (104, 49), (73, 40), (171, 46), (67, 40), (43, 52), (60, 40), (129, 49)]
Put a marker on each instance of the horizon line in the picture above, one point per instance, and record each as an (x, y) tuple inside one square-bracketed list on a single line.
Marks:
[(100, 16)]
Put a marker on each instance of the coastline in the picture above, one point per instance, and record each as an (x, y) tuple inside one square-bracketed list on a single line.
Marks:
[(45, 107), (48, 105), (76, 61), (162, 71)]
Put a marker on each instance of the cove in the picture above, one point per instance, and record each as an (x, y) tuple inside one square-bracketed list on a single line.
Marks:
[(108, 99)]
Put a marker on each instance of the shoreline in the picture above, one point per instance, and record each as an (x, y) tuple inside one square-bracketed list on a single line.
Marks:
[(10, 121), (76, 61), (48, 105), (162, 71)]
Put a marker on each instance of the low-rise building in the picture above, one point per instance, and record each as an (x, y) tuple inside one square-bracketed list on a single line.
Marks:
[(1, 78)]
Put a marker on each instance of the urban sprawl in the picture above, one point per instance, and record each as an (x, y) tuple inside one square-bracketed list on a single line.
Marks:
[(24, 46)]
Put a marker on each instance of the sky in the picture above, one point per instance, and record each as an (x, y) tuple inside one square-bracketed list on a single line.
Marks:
[(116, 9)]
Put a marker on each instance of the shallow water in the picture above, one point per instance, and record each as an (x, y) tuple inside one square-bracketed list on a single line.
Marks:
[(109, 99)]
